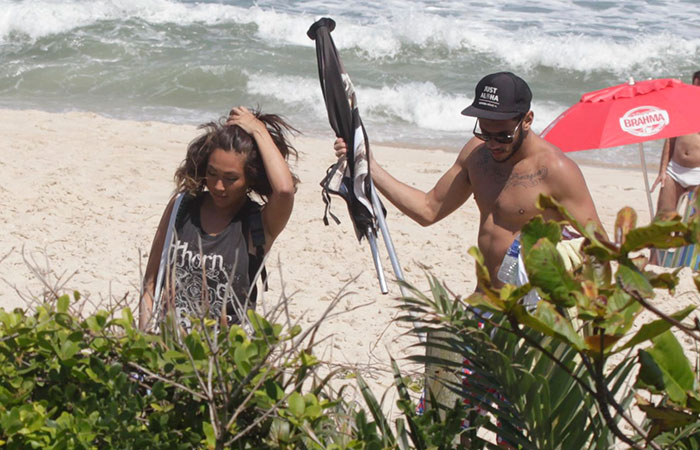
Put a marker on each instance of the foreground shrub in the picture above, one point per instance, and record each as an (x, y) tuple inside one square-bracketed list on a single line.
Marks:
[(560, 376), (98, 382), (556, 377)]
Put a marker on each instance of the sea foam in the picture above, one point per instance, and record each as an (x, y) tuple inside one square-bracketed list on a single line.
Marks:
[(416, 104), (545, 37)]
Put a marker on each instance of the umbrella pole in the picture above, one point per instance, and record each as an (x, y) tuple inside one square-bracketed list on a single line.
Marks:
[(381, 221), (646, 179), (372, 239), (646, 185)]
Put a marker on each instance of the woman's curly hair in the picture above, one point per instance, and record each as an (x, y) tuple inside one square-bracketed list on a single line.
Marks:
[(190, 176)]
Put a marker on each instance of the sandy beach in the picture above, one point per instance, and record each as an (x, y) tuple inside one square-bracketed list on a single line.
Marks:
[(81, 196)]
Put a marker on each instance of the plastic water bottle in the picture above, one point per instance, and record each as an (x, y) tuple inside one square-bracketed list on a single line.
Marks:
[(508, 272)]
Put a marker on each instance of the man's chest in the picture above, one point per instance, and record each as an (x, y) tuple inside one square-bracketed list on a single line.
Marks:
[(509, 194)]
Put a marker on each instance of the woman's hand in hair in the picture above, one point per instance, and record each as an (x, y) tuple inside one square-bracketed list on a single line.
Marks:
[(244, 118)]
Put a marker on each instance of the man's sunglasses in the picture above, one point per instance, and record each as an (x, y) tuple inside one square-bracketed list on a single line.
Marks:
[(501, 138)]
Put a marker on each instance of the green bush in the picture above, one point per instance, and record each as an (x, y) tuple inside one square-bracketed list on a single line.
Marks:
[(98, 382), (556, 377)]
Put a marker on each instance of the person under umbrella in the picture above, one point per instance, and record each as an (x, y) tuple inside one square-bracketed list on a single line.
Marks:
[(679, 170)]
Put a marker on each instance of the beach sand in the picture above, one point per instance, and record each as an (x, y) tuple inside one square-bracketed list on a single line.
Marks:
[(81, 196)]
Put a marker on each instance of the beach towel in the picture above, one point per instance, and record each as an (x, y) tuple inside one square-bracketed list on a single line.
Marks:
[(687, 256), (349, 176)]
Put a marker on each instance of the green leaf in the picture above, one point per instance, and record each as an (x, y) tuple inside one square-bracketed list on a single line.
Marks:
[(665, 280), (602, 250), (481, 301), (68, 349), (537, 229), (295, 330), (158, 390), (376, 410), (63, 319), (128, 318), (93, 324), (313, 412), (240, 357), (547, 272), (665, 417), (273, 390), (653, 329), (62, 304), (417, 434), (296, 404), (659, 234), (665, 369), (626, 220), (546, 319), (632, 280), (210, 436), (194, 344), (261, 326), (482, 274), (619, 313)]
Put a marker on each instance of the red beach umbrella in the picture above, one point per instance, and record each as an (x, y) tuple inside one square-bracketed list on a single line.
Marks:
[(629, 113)]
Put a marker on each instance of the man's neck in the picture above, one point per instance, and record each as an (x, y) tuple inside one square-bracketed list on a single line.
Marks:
[(521, 153)]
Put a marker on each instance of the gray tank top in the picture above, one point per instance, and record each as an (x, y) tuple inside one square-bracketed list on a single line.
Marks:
[(219, 262)]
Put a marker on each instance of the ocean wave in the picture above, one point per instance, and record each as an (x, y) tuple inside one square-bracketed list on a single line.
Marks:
[(522, 48), (40, 18), (421, 105), (528, 41), (291, 90), (651, 54)]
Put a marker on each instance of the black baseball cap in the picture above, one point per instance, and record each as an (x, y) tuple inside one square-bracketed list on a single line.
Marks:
[(500, 96)]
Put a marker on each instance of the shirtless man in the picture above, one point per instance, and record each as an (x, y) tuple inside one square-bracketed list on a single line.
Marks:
[(505, 166), (679, 171)]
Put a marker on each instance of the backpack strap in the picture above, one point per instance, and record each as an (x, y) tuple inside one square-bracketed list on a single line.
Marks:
[(165, 252), (187, 202), (251, 220)]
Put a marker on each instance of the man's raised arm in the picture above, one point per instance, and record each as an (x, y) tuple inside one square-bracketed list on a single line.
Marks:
[(450, 192)]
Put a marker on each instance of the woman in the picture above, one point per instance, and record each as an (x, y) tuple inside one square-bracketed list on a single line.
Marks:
[(216, 236)]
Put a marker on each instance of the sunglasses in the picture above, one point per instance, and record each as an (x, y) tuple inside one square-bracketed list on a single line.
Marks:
[(501, 138)]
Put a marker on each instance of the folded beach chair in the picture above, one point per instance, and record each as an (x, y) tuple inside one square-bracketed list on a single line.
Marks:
[(688, 256)]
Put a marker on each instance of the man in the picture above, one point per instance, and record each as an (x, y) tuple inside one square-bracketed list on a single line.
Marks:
[(679, 171), (505, 166)]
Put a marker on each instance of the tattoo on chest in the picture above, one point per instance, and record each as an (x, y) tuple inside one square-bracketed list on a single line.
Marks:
[(527, 180), (510, 178)]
